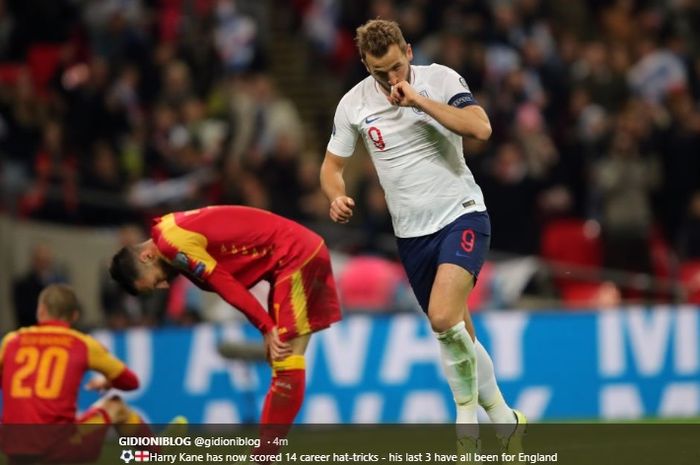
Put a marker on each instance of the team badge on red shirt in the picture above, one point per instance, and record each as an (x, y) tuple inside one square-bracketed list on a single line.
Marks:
[(188, 265)]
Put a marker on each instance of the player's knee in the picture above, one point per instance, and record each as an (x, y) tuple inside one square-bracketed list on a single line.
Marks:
[(442, 321)]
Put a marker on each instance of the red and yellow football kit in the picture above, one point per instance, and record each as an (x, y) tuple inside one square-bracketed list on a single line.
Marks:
[(228, 249), (42, 367)]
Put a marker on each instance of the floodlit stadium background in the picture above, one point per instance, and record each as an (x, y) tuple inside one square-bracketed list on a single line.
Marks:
[(113, 112)]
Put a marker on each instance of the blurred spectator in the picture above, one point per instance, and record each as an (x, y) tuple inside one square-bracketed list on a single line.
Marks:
[(625, 181), (235, 37), (124, 96), (259, 117), (177, 84), (44, 271), (320, 18), (89, 113), (512, 199), (336, 44), (541, 155), (208, 134), (120, 308), (279, 173), (656, 72), (103, 186), (240, 187), (385, 9), (680, 162), (116, 29), (54, 193), (22, 115), (160, 153), (601, 72)]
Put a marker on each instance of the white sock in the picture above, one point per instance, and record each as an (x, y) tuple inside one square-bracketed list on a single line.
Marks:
[(490, 397), (458, 357)]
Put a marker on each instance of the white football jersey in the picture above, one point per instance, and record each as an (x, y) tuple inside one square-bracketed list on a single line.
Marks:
[(420, 163)]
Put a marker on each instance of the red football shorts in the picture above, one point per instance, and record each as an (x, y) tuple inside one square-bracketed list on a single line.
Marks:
[(305, 300)]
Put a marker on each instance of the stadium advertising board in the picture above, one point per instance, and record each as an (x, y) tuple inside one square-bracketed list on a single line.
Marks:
[(614, 364)]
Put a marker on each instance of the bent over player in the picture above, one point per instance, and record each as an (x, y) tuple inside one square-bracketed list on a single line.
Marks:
[(227, 250), (412, 119), (42, 367)]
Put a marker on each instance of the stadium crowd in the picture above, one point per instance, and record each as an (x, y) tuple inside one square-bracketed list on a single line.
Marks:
[(115, 111)]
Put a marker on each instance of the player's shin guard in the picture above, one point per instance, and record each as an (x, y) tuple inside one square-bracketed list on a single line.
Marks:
[(282, 402), (459, 362)]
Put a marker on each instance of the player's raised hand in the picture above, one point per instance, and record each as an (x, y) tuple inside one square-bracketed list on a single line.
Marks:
[(341, 209), (274, 347), (98, 383), (403, 95)]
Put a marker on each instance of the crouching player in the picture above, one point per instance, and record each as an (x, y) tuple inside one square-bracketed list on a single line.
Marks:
[(227, 250), (42, 367)]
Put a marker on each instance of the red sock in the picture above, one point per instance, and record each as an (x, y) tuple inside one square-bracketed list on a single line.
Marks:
[(282, 403), (284, 398)]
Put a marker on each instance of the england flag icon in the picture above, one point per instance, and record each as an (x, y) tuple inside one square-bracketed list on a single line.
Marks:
[(142, 456)]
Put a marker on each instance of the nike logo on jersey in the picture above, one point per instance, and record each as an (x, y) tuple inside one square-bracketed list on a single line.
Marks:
[(370, 120)]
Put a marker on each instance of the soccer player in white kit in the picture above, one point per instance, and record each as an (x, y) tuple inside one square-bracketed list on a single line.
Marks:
[(412, 120)]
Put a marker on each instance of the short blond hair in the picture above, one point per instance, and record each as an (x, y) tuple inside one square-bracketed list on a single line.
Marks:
[(60, 301), (377, 35)]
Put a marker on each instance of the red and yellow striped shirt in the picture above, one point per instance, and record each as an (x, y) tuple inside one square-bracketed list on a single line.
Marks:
[(228, 249), (42, 367)]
